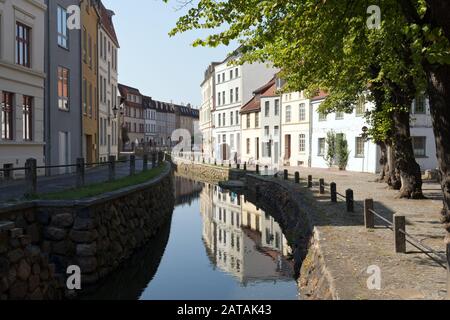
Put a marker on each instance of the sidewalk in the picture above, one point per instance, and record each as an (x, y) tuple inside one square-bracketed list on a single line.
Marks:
[(14, 190), (349, 249)]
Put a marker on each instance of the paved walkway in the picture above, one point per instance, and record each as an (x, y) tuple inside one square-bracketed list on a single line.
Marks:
[(14, 190), (350, 249)]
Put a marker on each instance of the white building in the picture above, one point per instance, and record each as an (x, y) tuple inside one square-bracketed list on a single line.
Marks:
[(150, 120), (233, 88), (208, 104), (108, 85), (364, 154), (22, 26)]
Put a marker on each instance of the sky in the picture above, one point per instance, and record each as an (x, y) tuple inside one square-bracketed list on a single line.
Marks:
[(162, 67)]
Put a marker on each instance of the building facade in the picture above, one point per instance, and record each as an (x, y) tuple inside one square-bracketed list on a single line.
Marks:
[(133, 117), (22, 80), (295, 122), (150, 120), (364, 153), (108, 45), (206, 120), (89, 57), (186, 118), (233, 88), (165, 123), (63, 117)]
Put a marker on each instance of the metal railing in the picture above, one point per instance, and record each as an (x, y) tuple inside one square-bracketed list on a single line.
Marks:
[(31, 170)]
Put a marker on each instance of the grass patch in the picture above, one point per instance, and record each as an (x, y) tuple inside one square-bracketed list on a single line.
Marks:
[(100, 188)]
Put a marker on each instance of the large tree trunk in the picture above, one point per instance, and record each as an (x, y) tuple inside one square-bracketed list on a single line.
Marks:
[(393, 179), (384, 172), (439, 94), (405, 161)]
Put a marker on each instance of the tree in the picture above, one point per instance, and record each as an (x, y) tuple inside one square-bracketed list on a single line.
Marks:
[(342, 152), (330, 155), (326, 45)]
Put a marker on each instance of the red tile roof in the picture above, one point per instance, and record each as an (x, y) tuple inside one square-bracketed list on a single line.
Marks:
[(254, 105)]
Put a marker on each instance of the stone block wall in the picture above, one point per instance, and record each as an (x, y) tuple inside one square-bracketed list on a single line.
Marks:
[(97, 235)]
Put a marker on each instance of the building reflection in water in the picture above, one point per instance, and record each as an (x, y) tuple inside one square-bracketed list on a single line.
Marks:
[(243, 240)]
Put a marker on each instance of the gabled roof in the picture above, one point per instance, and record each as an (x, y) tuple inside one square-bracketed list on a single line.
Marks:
[(107, 23), (124, 90), (267, 90)]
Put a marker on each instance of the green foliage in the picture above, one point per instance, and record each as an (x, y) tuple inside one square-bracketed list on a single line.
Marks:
[(330, 154), (342, 152)]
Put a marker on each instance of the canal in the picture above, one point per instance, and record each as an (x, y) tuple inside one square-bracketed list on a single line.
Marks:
[(216, 246)]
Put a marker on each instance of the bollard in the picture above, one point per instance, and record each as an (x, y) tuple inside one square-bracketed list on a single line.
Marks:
[(321, 186), (132, 164), (399, 234), (369, 217), (145, 164), (80, 172), (153, 159), (297, 177), (286, 175), (112, 168), (238, 166), (215, 162), (245, 166), (257, 169), (310, 184), (31, 176), (222, 163), (333, 191), (349, 199)]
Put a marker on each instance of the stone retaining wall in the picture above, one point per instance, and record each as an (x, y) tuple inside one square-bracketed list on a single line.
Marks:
[(44, 238)]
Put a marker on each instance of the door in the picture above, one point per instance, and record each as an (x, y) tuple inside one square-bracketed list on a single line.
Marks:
[(63, 148), (89, 148), (257, 148), (287, 147)]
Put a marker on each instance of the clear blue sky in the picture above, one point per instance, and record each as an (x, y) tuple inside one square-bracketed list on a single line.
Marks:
[(162, 67)]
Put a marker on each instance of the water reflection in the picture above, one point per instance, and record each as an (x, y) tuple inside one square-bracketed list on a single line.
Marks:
[(243, 240), (217, 246)]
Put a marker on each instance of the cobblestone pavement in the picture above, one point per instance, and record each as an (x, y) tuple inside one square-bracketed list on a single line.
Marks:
[(349, 248), (14, 190)]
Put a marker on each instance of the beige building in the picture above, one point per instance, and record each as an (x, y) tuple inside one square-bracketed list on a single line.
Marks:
[(206, 121), (22, 40), (108, 81)]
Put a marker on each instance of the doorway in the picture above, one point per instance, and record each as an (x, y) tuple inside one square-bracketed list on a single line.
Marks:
[(287, 147)]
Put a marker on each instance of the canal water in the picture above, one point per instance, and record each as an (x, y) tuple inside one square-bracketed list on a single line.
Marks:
[(216, 246)]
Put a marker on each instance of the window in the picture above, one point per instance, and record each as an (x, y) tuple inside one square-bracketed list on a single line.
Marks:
[(256, 120), (85, 96), (237, 117), (420, 105), (23, 42), (223, 97), (321, 147), (7, 116), (223, 77), (236, 73), (302, 143), (359, 147), (248, 121), (302, 112), (220, 120), (218, 78), (288, 114), (322, 116), (277, 107), (63, 88), (90, 100), (248, 146), (267, 131), (276, 131), (361, 106), (419, 145), (63, 34), (267, 109), (237, 94), (231, 118), (339, 115), (231, 74), (224, 119), (84, 45), (90, 51), (231, 96), (218, 98)]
